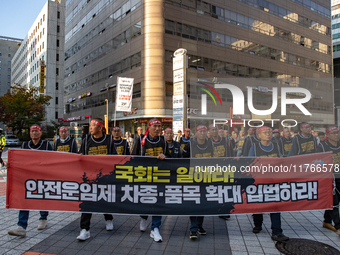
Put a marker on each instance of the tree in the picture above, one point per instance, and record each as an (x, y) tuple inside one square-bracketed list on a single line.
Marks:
[(22, 107)]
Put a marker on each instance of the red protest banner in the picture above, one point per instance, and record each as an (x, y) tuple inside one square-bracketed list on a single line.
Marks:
[(45, 180)]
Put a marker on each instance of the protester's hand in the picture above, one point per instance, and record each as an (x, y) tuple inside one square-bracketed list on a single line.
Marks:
[(6, 164), (161, 156)]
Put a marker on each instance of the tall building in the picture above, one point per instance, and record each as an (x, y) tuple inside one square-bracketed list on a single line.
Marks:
[(8, 47), (336, 55), (39, 60), (224, 39)]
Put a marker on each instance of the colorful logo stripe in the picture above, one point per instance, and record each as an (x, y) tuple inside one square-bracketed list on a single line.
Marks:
[(213, 90)]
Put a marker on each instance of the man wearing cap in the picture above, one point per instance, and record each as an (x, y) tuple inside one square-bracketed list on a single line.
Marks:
[(249, 141), (65, 143), (97, 143), (152, 144), (199, 147), (121, 145), (2, 145), (173, 148), (332, 144), (303, 143), (34, 144), (285, 143), (266, 148), (186, 138)]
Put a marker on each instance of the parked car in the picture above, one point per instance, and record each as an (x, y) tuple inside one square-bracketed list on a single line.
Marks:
[(12, 140)]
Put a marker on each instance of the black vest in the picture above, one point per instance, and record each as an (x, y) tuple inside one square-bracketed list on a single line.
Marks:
[(259, 152), (101, 147), (205, 150), (65, 146), (285, 146), (173, 150), (183, 143), (41, 145), (120, 146), (153, 148), (220, 147), (306, 145), (326, 146)]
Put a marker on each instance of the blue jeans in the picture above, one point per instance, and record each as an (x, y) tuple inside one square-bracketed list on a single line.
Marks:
[(23, 217), (156, 221), (196, 222), (275, 219)]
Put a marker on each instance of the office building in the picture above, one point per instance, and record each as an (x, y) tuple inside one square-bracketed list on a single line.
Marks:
[(224, 39), (39, 60)]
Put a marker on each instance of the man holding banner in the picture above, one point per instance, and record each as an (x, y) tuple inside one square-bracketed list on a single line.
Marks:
[(266, 148), (34, 144), (152, 144), (97, 143), (332, 144), (173, 148), (65, 143), (303, 143), (121, 145), (200, 147)]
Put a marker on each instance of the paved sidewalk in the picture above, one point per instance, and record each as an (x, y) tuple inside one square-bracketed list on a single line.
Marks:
[(223, 237)]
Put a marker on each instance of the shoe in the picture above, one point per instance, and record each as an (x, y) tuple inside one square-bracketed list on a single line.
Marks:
[(202, 231), (280, 238), (257, 229), (84, 234), (42, 224), (225, 217), (329, 226), (109, 225), (156, 235), (143, 225), (193, 235), (18, 231)]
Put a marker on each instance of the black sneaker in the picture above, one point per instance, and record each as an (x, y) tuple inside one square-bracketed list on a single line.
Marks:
[(280, 238), (193, 235), (225, 217), (201, 231), (257, 229)]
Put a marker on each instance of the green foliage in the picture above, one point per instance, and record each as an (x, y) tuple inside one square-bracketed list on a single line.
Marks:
[(22, 107)]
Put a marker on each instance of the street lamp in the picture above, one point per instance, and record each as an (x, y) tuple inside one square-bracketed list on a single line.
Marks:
[(107, 117)]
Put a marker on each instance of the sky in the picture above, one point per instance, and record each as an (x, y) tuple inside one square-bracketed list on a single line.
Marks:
[(17, 16)]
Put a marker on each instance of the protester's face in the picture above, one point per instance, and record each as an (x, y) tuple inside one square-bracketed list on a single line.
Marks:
[(155, 130), (116, 133), (214, 131), (179, 133), (201, 134), (241, 133), (221, 133), (250, 132), (139, 131), (277, 135), (226, 133), (322, 138), (234, 134), (187, 134), (333, 136), (306, 130), (63, 134), (94, 129), (169, 135), (286, 134), (35, 134), (265, 135), (208, 134)]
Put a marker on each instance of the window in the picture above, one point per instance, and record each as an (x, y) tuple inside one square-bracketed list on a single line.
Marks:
[(57, 71), (58, 15), (9, 69), (56, 86), (57, 43), (58, 28), (56, 100), (9, 55), (56, 115), (9, 48), (57, 57), (43, 45), (9, 84), (8, 76), (44, 17)]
